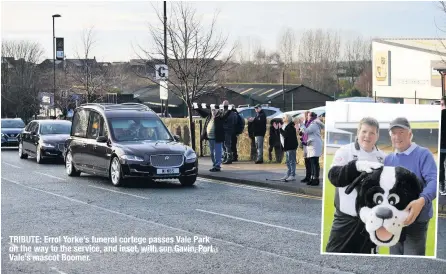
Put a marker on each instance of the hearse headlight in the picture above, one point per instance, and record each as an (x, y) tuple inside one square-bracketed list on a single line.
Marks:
[(47, 145), (190, 155), (132, 158)]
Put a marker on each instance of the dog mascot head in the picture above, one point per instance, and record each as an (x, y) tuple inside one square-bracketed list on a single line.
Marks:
[(382, 197)]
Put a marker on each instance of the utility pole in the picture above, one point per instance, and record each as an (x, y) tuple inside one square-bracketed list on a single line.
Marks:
[(165, 54), (54, 65), (283, 88)]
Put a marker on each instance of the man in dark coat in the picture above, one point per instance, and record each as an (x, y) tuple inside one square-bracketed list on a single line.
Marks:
[(213, 132), (229, 124), (259, 131)]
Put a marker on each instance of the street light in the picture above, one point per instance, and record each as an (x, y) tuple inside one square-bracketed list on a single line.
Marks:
[(54, 64)]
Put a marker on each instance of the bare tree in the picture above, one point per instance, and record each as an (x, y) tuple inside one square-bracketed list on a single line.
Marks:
[(20, 87), (193, 48), (318, 55), (287, 46), (357, 58), (87, 75)]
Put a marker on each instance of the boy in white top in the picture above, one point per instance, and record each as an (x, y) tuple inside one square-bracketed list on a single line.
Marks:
[(348, 234)]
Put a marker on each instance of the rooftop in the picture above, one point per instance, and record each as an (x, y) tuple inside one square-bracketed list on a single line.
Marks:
[(431, 45)]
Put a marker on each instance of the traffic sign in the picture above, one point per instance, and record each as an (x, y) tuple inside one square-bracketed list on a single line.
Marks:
[(164, 95), (161, 72)]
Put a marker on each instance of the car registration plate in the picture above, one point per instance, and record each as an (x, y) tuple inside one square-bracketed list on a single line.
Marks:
[(168, 171), (12, 139)]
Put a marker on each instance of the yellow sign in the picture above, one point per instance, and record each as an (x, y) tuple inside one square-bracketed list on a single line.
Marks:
[(382, 67)]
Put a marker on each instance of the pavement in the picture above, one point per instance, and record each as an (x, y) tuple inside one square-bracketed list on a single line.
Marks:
[(251, 174), (251, 229), (259, 175)]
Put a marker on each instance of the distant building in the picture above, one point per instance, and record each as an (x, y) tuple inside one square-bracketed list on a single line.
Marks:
[(295, 97), (407, 70)]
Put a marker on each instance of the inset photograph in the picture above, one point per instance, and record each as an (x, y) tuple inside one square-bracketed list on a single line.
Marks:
[(380, 179)]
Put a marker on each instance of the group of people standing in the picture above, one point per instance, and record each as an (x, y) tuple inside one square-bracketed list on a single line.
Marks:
[(284, 137), (222, 127)]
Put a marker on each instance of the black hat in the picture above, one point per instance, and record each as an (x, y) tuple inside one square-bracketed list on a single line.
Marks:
[(400, 122), (258, 106)]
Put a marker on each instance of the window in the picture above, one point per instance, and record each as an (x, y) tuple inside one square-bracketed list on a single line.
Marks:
[(56, 128), (104, 130), (94, 126), (80, 123), (35, 128), (247, 113), (269, 112), (29, 126), (138, 129), (16, 123)]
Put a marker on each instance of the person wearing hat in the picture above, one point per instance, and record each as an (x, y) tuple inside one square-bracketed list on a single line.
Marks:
[(259, 122), (420, 161)]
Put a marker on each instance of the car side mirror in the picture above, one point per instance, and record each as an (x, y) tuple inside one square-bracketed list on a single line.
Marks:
[(177, 138), (102, 139)]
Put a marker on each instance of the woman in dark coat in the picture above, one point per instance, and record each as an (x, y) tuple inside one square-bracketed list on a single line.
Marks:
[(289, 143)]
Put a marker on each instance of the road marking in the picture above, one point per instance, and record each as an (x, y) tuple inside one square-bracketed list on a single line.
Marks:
[(263, 189), (120, 192), (256, 222), (179, 229), (44, 174), (16, 247), (11, 165), (57, 270)]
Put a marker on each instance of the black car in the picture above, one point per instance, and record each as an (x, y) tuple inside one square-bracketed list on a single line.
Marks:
[(11, 129), (126, 140), (44, 139)]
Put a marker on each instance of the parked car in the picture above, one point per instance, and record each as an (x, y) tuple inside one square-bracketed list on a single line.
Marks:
[(249, 111), (44, 139), (11, 129), (127, 140), (357, 99), (320, 111), (293, 113)]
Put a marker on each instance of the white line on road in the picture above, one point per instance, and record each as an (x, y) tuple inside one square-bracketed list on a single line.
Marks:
[(11, 165), (263, 189), (441, 260), (57, 270), (179, 229), (16, 247), (256, 222), (44, 174), (120, 192)]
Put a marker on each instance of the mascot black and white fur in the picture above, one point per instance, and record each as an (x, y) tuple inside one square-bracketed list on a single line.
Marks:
[(383, 194)]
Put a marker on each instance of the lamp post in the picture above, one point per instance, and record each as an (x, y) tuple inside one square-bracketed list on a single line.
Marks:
[(165, 53), (54, 64)]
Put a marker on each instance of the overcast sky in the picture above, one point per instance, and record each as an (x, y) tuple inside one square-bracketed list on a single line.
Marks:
[(119, 25)]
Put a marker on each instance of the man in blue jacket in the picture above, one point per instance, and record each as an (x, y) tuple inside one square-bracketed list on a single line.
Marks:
[(420, 161)]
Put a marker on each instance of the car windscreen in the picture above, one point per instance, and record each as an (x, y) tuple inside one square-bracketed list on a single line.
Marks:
[(13, 124), (139, 129), (48, 129)]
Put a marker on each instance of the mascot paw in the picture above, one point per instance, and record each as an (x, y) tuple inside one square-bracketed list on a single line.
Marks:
[(367, 166)]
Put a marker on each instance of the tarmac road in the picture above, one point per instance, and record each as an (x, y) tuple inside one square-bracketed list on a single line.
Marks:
[(250, 229)]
